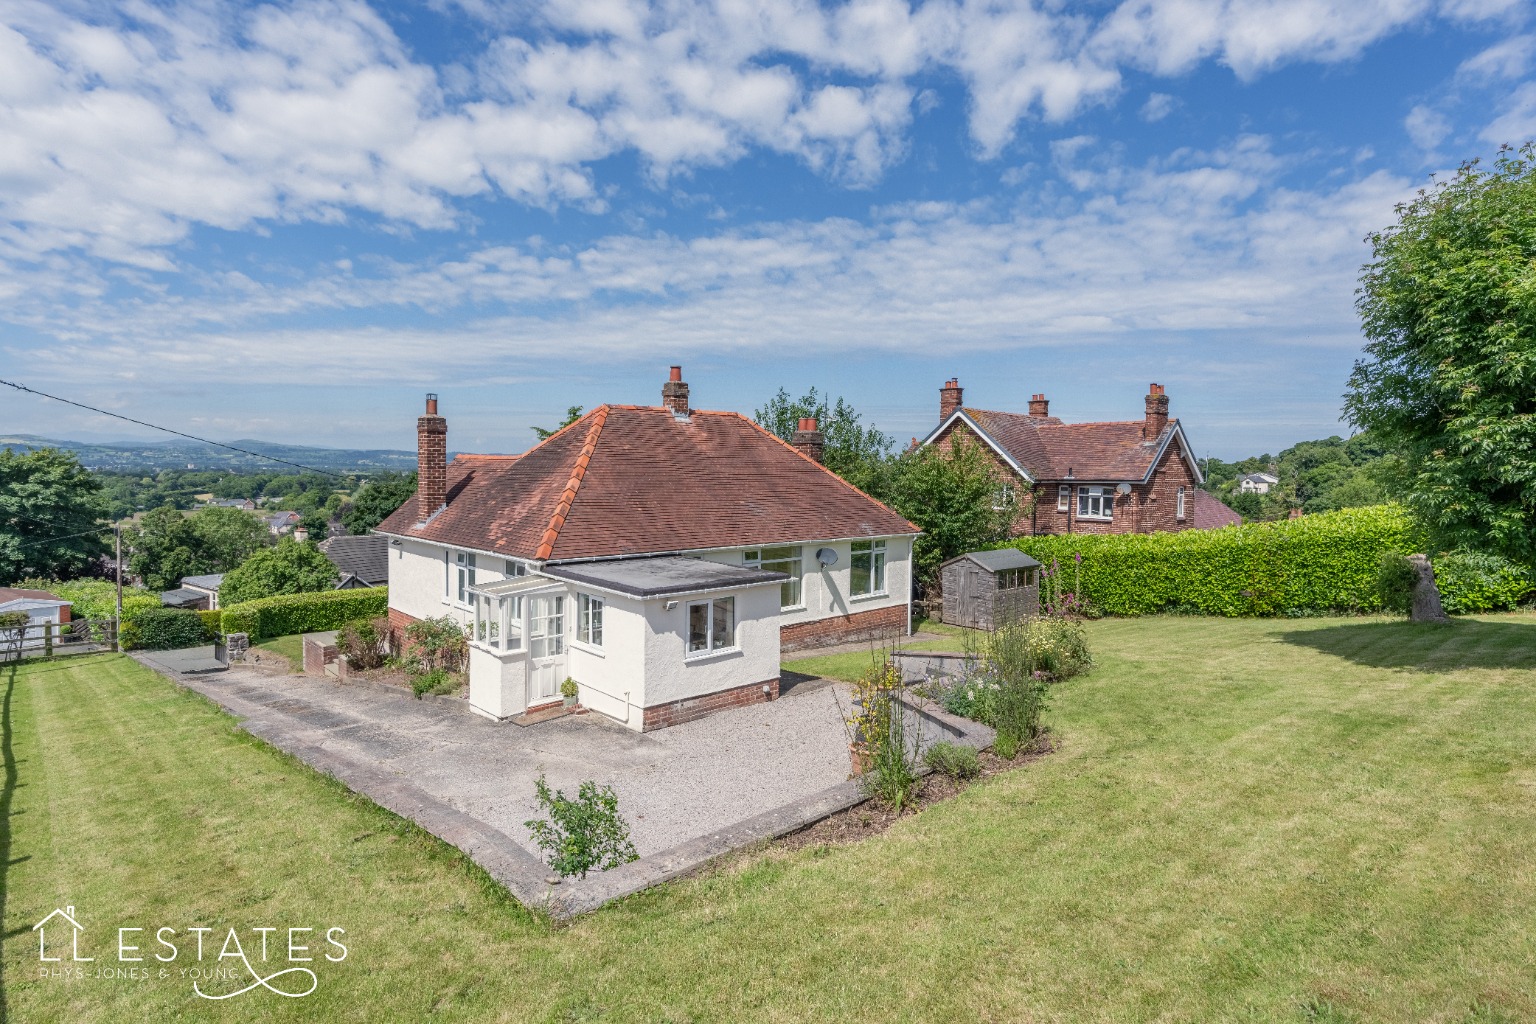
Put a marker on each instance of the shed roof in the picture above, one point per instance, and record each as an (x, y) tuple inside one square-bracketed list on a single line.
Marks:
[(663, 575), (182, 597), (998, 560), (212, 581)]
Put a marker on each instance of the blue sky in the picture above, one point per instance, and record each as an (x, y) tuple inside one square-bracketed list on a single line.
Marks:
[(288, 221)]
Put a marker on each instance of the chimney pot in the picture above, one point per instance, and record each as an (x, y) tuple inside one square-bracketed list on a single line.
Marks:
[(1157, 413), (810, 441), (951, 398), (431, 461), (674, 393)]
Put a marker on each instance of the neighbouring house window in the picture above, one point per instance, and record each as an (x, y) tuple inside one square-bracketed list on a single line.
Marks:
[(589, 620), (1063, 497), (1095, 502), (785, 560), (868, 568), (1002, 497), (712, 625), (1180, 512), (464, 575), (515, 569)]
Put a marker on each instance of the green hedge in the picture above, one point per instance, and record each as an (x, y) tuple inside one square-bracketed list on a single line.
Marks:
[(165, 629), (1471, 581), (1318, 563), (304, 613)]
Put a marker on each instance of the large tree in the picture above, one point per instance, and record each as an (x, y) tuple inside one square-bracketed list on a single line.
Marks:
[(858, 453), (376, 500), (51, 511), (168, 544), (288, 568), (1448, 382), (956, 495)]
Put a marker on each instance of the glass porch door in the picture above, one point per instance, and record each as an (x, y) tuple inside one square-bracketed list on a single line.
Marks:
[(546, 648)]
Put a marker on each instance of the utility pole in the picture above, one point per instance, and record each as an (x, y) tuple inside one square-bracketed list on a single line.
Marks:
[(117, 625)]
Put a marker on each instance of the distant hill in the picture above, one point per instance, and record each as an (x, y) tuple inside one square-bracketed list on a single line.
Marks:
[(145, 456)]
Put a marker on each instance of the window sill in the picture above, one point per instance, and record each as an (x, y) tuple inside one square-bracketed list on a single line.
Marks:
[(793, 608), (869, 597), (1094, 519), (586, 648), (695, 657)]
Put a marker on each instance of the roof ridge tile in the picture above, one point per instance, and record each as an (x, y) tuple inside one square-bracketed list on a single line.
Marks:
[(578, 472)]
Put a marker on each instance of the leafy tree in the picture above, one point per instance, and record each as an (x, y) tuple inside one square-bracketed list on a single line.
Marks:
[(376, 500), (859, 454), (571, 416), (47, 502), (952, 494), (1448, 381), (168, 544), (288, 568), (225, 537)]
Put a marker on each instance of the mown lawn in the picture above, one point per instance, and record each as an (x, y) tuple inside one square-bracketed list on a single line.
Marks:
[(1325, 820), (290, 647)]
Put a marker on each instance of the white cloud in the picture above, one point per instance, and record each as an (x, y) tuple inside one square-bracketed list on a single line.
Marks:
[(1427, 127), (1158, 106)]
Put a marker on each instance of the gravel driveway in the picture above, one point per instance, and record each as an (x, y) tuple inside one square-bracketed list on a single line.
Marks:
[(674, 784)]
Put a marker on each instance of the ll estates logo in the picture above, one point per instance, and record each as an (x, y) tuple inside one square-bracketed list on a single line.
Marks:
[(269, 958)]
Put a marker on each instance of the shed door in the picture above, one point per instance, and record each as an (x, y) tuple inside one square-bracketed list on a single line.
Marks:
[(967, 595)]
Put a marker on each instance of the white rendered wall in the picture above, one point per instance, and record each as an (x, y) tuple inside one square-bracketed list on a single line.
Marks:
[(417, 579), (498, 682), (824, 592), (606, 673), (671, 675)]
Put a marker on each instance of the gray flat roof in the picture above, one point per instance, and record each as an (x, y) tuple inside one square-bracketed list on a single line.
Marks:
[(210, 582), (663, 575), (181, 597), (996, 561)]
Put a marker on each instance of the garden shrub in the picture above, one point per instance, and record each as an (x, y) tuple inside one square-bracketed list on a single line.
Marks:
[(165, 629), (212, 622), (304, 613), (953, 759), (581, 834), (1474, 581), (434, 681), (1324, 562), (361, 641), (879, 723), (1395, 579), (437, 643)]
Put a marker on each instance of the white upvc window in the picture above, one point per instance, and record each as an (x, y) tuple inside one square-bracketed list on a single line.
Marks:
[(786, 560), (867, 568), (1180, 511), (711, 626), (514, 568), (462, 576), (1002, 497), (589, 620), (499, 622), (1095, 502), (1063, 497)]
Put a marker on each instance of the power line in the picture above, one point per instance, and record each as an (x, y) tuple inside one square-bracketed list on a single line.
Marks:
[(67, 536), (168, 430)]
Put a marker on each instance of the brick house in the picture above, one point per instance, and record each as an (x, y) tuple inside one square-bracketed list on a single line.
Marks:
[(1135, 476), (660, 556)]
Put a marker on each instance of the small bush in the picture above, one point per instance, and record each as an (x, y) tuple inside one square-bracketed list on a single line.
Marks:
[(304, 613), (1395, 579), (1059, 647), (581, 834), (569, 689), (953, 759), (165, 629), (974, 698), (437, 643), (880, 723), (437, 680), (362, 642), (1472, 581)]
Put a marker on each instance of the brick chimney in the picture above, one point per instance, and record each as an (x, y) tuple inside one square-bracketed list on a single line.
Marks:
[(674, 393), (951, 397), (431, 462), (1157, 414), (810, 441), (1039, 406)]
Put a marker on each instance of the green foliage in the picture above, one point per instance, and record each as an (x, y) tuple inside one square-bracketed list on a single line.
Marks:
[(168, 544), (437, 680), (1315, 476), (952, 494), (1011, 661), (953, 759), (50, 515), (879, 723), (1326, 562), (288, 568), (581, 834), (857, 453), (362, 642), (94, 599), (1448, 381), (439, 643), (1395, 579), (376, 500), (569, 689), (213, 622), (572, 414), (1471, 581), (165, 629), (303, 613)]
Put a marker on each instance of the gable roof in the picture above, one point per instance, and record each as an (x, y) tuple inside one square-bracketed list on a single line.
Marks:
[(366, 557), (1211, 513), (998, 560), (1045, 448), (631, 480), (8, 594)]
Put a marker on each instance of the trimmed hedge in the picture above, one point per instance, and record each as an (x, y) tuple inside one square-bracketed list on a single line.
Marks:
[(304, 613), (165, 629), (1318, 563), (1471, 581)]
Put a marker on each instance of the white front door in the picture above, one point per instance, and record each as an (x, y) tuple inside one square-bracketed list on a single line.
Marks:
[(546, 648)]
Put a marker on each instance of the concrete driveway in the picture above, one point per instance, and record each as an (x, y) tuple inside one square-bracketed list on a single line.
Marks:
[(674, 785)]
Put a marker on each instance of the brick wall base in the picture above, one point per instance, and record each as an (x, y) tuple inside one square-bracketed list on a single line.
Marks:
[(876, 624), (398, 620), (680, 711)]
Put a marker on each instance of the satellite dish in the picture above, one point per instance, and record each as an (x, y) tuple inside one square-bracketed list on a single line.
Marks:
[(1122, 488), (826, 557)]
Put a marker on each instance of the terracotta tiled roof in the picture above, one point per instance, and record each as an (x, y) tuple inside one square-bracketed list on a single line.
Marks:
[(629, 480), (1047, 448), (1211, 513), (18, 594)]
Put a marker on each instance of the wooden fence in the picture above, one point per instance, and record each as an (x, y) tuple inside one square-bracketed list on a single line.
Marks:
[(48, 639)]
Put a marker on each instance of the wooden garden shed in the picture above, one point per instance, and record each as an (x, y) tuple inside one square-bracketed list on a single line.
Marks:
[(984, 588)]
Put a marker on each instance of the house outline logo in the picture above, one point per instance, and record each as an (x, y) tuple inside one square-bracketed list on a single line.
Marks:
[(68, 914)]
